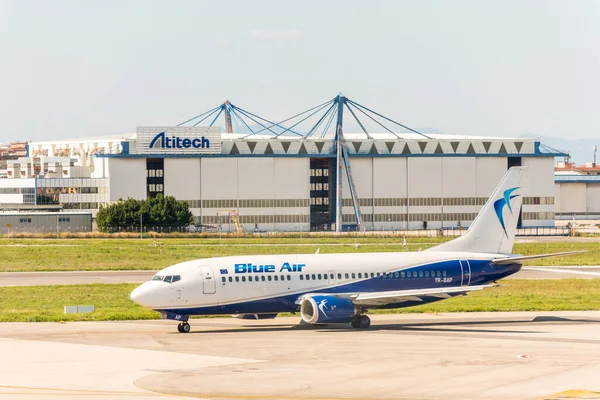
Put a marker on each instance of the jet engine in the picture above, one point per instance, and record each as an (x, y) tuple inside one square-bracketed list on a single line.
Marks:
[(327, 309)]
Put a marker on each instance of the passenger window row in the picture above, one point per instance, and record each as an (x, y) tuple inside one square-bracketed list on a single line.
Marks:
[(262, 278), (353, 275)]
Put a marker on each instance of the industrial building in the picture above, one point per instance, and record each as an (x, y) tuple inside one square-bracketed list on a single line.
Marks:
[(277, 179), (45, 222), (577, 191)]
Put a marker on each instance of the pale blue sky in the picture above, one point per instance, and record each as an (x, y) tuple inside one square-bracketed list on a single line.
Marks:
[(78, 68)]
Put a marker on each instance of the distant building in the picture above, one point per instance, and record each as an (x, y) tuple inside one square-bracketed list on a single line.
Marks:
[(577, 191), (58, 175), (45, 222), (10, 152), (566, 168)]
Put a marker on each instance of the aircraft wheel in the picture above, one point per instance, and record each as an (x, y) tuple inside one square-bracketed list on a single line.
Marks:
[(361, 322), (183, 327)]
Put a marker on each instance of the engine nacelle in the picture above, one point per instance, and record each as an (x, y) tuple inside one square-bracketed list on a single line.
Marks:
[(327, 309), (254, 316)]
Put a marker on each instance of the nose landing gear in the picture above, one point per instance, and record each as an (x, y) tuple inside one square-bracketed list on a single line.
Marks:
[(183, 327)]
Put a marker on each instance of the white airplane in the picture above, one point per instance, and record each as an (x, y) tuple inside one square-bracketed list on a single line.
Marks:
[(341, 288)]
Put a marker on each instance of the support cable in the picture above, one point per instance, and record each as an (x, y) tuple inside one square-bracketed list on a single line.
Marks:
[(304, 119), (248, 114), (379, 123), (217, 116), (200, 115), (328, 124), (237, 109), (233, 112), (299, 114), (208, 115), (314, 128), (235, 120), (320, 121), (388, 119), (320, 106), (358, 120)]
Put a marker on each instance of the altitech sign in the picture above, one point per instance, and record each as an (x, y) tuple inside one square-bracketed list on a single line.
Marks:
[(178, 140)]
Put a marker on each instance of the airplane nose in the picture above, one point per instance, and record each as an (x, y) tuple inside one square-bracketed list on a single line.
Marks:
[(140, 295)]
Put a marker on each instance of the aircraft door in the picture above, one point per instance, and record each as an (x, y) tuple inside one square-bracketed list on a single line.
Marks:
[(465, 268), (208, 279)]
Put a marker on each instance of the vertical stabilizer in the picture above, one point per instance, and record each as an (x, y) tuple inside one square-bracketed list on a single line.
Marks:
[(493, 230)]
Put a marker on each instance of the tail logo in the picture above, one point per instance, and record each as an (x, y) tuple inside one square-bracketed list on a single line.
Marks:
[(505, 201)]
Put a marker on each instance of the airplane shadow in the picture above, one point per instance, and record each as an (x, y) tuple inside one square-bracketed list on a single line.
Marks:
[(433, 327)]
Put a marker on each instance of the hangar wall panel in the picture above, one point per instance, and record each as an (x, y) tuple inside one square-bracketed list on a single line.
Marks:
[(593, 198), (255, 178), (425, 181), (541, 176), (390, 177), (539, 185), (362, 174), (182, 178), (425, 177), (573, 198), (459, 176), (219, 178), (127, 178), (490, 171), (291, 178)]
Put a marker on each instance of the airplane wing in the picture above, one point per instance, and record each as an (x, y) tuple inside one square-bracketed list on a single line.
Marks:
[(512, 260), (399, 296), (374, 299), (567, 270)]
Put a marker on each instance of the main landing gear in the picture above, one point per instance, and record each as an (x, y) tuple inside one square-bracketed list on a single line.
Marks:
[(183, 327), (361, 322)]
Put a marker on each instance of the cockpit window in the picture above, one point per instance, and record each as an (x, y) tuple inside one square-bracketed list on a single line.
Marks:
[(168, 279)]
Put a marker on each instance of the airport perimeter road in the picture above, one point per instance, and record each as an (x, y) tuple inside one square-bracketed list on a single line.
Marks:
[(547, 355), (84, 277)]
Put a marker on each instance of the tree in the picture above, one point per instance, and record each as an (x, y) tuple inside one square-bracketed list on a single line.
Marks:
[(157, 211)]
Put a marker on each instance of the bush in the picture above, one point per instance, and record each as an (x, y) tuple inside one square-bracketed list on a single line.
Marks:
[(156, 212)]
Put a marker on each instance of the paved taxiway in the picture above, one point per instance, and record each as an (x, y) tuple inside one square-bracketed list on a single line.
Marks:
[(446, 356), (83, 277)]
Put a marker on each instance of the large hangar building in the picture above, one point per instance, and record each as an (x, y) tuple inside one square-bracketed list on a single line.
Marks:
[(282, 182), (286, 184)]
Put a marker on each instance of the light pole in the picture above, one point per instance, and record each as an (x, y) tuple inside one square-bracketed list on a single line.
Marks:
[(141, 226)]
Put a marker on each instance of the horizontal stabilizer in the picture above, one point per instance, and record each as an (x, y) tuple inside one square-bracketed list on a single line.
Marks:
[(512, 260)]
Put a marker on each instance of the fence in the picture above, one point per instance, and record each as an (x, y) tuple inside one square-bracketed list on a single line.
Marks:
[(216, 232)]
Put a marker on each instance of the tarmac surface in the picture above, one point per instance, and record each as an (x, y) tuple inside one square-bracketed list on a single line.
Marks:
[(548, 355), (84, 277)]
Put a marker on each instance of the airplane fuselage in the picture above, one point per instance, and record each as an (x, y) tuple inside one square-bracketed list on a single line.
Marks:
[(273, 283)]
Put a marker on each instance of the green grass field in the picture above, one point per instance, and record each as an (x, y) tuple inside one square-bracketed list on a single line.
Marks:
[(130, 254), (45, 303)]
